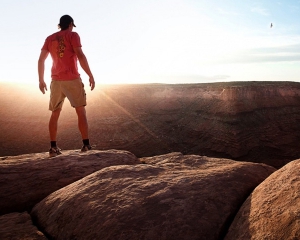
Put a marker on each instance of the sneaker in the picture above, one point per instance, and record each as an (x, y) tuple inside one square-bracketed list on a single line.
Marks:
[(54, 151), (86, 148)]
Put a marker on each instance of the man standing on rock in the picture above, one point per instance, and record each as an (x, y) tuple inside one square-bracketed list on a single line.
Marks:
[(65, 49)]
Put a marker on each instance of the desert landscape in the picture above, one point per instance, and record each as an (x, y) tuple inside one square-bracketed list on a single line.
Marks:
[(186, 161), (246, 121)]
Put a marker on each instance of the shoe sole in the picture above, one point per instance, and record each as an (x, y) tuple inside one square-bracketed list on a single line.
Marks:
[(85, 149), (54, 154)]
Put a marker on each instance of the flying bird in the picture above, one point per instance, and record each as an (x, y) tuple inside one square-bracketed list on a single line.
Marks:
[(271, 25)]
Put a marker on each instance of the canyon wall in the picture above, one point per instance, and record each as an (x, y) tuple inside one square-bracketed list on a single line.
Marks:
[(248, 121)]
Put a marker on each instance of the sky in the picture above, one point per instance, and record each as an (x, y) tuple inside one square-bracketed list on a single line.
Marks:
[(158, 41)]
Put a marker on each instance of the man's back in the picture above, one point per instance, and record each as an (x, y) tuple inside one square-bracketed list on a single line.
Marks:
[(61, 47)]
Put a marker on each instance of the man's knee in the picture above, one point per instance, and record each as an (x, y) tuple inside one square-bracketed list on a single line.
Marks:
[(56, 113), (81, 111)]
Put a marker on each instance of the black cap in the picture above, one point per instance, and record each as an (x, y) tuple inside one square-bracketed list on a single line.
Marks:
[(65, 21)]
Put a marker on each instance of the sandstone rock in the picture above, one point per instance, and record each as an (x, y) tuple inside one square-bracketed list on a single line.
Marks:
[(272, 211), (27, 179), (16, 226), (169, 197)]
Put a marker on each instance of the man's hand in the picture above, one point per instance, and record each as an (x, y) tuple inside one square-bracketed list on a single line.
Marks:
[(43, 87), (92, 83)]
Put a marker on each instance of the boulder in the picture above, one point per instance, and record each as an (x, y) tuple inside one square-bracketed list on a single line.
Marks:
[(272, 211), (27, 179), (168, 197), (16, 226)]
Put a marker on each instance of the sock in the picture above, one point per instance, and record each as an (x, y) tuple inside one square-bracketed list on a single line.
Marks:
[(86, 142), (53, 144)]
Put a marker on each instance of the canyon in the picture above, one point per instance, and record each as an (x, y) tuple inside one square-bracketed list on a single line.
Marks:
[(244, 121)]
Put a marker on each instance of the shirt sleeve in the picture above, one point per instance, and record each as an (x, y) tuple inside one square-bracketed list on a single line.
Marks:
[(45, 46), (75, 40)]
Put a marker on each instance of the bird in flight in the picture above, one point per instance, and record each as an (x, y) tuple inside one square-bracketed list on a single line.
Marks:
[(271, 25)]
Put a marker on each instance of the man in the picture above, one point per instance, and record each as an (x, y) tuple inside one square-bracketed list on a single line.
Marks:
[(65, 49)]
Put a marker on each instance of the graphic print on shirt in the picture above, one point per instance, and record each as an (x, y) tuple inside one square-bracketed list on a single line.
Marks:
[(61, 46)]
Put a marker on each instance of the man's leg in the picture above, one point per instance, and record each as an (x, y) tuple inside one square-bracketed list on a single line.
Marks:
[(83, 128), (53, 124), (54, 150), (82, 122)]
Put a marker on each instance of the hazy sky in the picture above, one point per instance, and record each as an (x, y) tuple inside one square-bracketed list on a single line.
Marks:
[(172, 41)]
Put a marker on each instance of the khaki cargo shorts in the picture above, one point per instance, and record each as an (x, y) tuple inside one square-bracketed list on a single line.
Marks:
[(72, 89)]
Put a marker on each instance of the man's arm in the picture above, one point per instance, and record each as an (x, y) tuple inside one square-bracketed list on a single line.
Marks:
[(85, 65), (41, 70)]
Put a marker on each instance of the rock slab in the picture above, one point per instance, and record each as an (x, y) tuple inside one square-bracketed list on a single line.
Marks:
[(27, 179), (16, 226), (168, 197), (272, 211)]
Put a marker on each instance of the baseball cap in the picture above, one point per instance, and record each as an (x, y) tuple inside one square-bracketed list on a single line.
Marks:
[(65, 21)]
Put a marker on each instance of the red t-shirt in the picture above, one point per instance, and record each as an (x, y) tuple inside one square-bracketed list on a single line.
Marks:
[(60, 45)]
